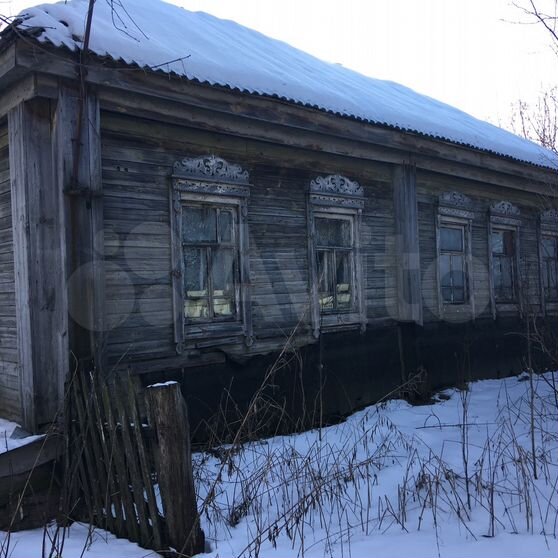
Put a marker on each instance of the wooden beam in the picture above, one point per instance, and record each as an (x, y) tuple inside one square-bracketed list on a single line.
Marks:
[(39, 248), (409, 292), (82, 186), (23, 90)]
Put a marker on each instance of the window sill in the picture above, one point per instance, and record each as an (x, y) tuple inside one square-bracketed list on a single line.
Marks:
[(212, 329), (348, 320)]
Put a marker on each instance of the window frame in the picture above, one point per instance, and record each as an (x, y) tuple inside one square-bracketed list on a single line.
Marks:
[(463, 253), (231, 205), (545, 260), (513, 299), (213, 182), (455, 210), (338, 216), (548, 227), (336, 197), (504, 216)]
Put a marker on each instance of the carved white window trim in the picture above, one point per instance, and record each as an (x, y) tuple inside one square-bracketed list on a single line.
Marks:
[(504, 215), (456, 210), (331, 196), (213, 181)]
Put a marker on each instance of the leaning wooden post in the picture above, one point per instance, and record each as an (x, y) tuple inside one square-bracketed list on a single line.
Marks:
[(169, 417)]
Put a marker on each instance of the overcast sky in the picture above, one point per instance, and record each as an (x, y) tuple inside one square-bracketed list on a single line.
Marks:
[(469, 53)]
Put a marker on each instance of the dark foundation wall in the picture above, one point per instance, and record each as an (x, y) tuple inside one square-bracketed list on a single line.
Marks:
[(346, 371)]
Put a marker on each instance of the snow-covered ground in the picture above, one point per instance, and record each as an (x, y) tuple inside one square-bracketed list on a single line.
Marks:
[(79, 541), (11, 436), (388, 482)]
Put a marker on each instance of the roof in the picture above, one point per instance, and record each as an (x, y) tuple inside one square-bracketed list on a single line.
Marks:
[(162, 37)]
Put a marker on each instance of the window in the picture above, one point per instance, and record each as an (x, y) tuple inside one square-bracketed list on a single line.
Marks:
[(336, 283), (503, 265), (452, 261), (549, 252), (210, 276), (335, 257), (456, 297), (503, 249), (210, 248)]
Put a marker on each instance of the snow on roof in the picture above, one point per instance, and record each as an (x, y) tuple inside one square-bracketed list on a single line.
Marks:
[(198, 46)]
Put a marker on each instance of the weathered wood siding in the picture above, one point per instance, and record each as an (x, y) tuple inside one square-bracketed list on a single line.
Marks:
[(10, 402), (137, 161)]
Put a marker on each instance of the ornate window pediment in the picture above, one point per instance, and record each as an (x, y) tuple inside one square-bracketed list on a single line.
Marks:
[(211, 175), (211, 167), (505, 213), (549, 220), (455, 204), (336, 190)]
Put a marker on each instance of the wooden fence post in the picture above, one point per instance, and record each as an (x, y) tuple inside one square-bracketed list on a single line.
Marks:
[(169, 417)]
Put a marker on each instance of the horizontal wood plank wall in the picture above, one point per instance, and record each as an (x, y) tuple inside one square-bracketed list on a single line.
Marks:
[(137, 158), (378, 250), (10, 401), (430, 187)]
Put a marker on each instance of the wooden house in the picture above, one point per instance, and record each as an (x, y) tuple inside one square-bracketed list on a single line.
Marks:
[(181, 197)]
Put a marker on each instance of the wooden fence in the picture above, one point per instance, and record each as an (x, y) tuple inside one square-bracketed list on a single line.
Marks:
[(131, 477)]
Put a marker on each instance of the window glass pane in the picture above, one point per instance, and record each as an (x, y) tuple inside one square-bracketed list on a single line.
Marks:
[(451, 239), (458, 271), (333, 232), (506, 272), (199, 224), (549, 247), (458, 294), (445, 277), (503, 278), (343, 280), (325, 280), (446, 294), (195, 265), (196, 303), (553, 276), (225, 226), (551, 280), (497, 265), (222, 270), (497, 242)]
